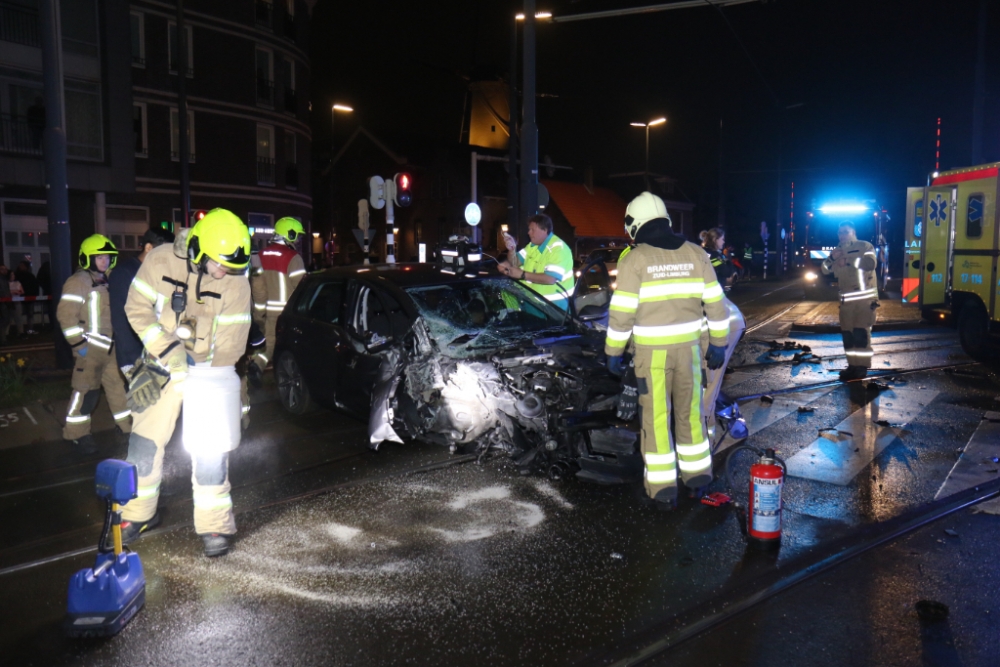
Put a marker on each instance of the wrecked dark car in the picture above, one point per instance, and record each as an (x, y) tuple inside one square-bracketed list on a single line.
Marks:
[(474, 363)]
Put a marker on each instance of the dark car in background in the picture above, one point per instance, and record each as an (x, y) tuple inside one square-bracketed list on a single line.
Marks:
[(473, 362)]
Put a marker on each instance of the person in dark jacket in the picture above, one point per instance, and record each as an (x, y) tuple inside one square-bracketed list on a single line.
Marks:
[(128, 346), (713, 241)]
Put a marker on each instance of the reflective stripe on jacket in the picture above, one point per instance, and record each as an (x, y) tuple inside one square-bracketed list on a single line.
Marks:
[(222, 319), (553, 258), (856, 279), (281, 269), (83, 311), (662, 297)]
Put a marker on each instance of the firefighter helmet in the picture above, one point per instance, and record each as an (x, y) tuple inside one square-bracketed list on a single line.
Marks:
[(97, 244), (222, 237), (289, 229), (641, 210)]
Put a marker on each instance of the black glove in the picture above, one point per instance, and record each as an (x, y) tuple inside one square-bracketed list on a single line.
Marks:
[(628, 399), (144, 387), (716, 357), (615, 365)]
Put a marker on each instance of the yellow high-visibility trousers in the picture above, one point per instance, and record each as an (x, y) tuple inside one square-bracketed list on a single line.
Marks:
[(856, 321), (151, 431), (670, 381), (90, 373)]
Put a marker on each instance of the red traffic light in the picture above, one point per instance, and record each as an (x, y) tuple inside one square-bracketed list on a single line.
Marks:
[(404, 193)]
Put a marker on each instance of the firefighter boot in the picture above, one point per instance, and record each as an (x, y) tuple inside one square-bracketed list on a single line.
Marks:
[(131, 530), (216, 544)]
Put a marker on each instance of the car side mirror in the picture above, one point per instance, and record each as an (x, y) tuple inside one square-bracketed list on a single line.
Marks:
[(375, 342), (591, 313)]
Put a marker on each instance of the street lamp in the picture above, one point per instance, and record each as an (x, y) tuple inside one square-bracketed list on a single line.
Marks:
[(343, 108), (658, 121)]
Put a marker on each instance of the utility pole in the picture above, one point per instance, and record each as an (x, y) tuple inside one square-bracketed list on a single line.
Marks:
[(529, 130), (513, 208), (979, 97), (183, 144)]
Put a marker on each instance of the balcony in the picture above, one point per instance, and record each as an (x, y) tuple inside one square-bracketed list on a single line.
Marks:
[(265, 92), (292, 176), (19, 25), (173, 69), (263, 14), (290, 32), (176, 156), (291, 101), (265, 170), (19, 137)]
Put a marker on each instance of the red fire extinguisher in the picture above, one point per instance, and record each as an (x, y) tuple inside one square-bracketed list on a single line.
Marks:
[(761, 521), (764, 506)]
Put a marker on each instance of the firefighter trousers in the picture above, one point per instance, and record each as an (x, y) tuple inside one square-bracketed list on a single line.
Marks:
[(714, 378), (90, 373), (670, 380), (262, 358), (856, 321), (151, 431)]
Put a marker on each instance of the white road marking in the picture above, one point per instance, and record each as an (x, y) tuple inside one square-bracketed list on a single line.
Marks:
[(848, 448), (977, 464), (30, 416)]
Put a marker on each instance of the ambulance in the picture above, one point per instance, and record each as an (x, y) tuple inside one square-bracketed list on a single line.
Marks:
[(951, 250)]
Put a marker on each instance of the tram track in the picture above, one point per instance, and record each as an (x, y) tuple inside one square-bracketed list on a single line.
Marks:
[(878, 350)]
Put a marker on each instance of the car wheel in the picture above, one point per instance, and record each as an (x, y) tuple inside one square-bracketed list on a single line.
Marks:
[(292, 388), (974, 332)]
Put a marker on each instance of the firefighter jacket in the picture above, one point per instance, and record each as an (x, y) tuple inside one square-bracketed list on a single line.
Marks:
[(553, 258), (217, 310), (666, 287), (281, 269), (856, 278), (84, 312)]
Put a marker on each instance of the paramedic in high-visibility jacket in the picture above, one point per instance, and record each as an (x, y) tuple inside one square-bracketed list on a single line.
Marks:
[(84, 313), (853, 262), (666, 287), (190, 304), (546, 263), (281, 269)]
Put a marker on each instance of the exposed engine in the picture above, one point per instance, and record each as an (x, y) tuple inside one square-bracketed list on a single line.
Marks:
[(550, 406)]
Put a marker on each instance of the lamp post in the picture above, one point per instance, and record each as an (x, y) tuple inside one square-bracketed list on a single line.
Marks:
[(658, 121), (342, 108)]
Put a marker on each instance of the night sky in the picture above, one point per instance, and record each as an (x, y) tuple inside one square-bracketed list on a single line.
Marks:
[(870, 78)]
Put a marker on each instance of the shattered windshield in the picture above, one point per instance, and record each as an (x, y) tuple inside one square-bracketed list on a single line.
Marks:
[(464, 318)]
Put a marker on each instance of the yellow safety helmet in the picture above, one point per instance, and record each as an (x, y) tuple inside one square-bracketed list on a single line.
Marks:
[(289, 229), (222, 237), (641, 210), (97, 244)]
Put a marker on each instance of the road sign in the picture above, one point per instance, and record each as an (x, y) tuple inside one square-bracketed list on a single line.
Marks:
[(473, 214)]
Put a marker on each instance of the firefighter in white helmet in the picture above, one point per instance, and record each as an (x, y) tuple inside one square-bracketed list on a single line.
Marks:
[(281, 269), (666, 286), (189, 303), (853, 262), (84, 314)]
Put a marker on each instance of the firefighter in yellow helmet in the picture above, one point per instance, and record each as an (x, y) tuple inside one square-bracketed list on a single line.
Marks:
[(189, 303), (666, 286), (281, 269), (85, 317)]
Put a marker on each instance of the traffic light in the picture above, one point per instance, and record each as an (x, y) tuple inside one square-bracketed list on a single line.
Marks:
[(403, 194)]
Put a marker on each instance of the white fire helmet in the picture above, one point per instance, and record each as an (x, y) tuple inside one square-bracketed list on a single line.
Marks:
[(641, 210)]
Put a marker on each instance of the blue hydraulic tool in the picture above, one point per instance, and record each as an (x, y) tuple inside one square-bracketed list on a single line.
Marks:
[(102, 599)]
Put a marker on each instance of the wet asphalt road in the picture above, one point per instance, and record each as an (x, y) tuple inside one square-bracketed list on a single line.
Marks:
[(351, 557)]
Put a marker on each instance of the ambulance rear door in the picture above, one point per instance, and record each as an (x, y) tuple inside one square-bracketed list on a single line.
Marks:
[(911, 245), (936, 250)]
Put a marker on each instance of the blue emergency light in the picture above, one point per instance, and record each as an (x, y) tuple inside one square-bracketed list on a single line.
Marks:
[(832, 209)]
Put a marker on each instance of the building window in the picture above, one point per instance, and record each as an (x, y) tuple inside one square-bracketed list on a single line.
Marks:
[(260, 223), (290, 19), (172, 52), (175, 149), (291, 161), (78, 20), (265, 76), (265, 155), (84, 127), (22, 130), (288, 77), (263, 13), (138, 39), (974, 217), (139, 129)]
